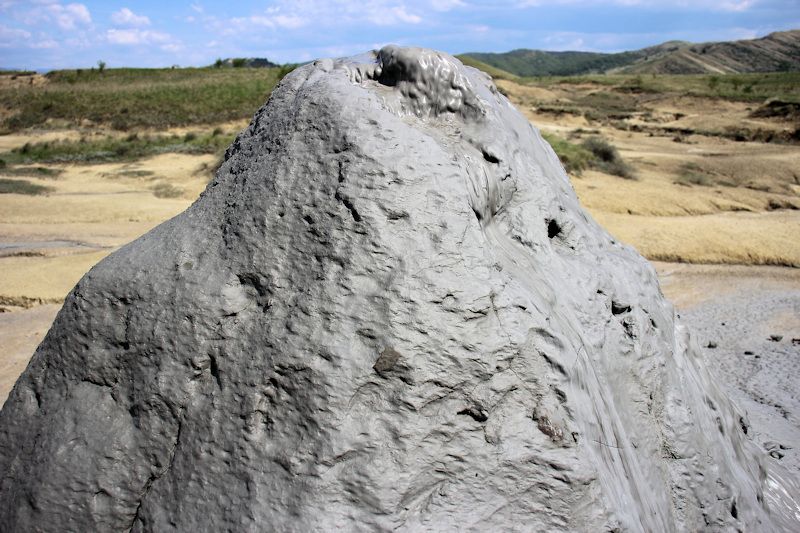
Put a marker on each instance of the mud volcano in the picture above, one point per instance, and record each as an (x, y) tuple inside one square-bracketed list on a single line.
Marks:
[(388, 311)]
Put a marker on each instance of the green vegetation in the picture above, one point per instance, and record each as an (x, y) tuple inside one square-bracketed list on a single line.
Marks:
[(35, 172), (607, 158), (574, 157), (777, 52), (133, 98), (13, 73), (133, 173), (165, 190), (541, 63), (116, 148), (598, 105), (10, 186), (737, 87), (594, 152), (494, 72)]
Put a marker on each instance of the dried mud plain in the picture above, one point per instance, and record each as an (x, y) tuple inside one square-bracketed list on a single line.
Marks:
[(718, 214)]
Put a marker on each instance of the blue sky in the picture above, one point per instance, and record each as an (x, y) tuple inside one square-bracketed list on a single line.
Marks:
[(60, 33)]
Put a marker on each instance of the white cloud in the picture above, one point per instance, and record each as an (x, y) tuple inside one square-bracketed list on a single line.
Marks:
[(133, 36), (742, 5), (565, 41), (126, 17), (172, 47), (45, 44), (446, 5), (381, 14), (712, 5), (69, 16), (295, 14), (401, 14), (11, 37), (272, 21), (239, 25), (716, 5), (290, 21)]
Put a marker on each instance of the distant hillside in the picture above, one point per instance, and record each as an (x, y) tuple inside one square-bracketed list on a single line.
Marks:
[(540, 63), (249, 62), (494, 72), (777, 52)]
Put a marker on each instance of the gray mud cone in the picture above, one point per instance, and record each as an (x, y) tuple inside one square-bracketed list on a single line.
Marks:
[(388, 311)]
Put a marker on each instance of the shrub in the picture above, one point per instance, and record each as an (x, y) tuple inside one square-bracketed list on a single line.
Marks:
[(607, 158), (165, 190), (692, 174), (574, 157), (8, 186), (284, 70)]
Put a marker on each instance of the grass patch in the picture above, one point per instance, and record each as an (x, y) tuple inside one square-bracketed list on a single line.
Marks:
[(607, 158), (754, 87), (691, 174), (594, 152), (8, 186), (574, 157), (599, 105), (14, 73), (133, 173), (140, 98), (116, 148), (34, 172), (165, 190), (494, 72)]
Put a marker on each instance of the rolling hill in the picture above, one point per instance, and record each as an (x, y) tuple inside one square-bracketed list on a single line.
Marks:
[(777, 52)]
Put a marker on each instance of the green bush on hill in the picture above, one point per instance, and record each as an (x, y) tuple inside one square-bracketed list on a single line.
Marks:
[(607, 158), (594, 152), (574, 157)]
